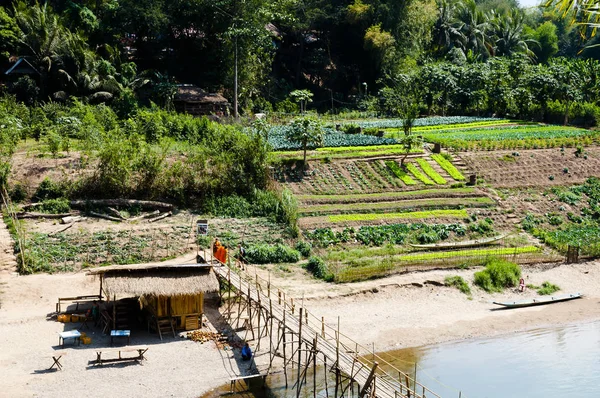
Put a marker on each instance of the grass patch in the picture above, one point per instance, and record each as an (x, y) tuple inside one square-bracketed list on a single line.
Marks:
[(448, 167), (498, 275), (403, 215), (547, 288), (459, 283), (431, 173), (417, 173)]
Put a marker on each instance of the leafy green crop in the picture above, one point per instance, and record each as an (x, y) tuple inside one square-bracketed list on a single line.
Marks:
[(401, 174), (332, 138), (406, 215), (417, 173), (434, 175), (448, 167)]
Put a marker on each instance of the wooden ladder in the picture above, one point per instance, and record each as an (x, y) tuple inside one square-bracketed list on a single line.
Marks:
[(164, 325)]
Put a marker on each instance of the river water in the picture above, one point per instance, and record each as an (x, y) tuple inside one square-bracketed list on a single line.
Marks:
[(562, 362)]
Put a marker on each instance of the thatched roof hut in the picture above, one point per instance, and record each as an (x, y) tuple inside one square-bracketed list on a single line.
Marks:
[(173, 294), (193, 100), (157, 279)]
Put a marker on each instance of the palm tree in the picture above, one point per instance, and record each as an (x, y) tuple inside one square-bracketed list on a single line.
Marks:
[(447, 32), (508, 34), (475, 28), (46, 42)]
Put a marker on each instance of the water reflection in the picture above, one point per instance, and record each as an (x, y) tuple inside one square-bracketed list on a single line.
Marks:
[(544, 363)]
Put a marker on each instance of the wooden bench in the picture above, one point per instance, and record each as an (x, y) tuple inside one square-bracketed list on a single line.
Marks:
[(56, 356), (78, 300), (140, 350)]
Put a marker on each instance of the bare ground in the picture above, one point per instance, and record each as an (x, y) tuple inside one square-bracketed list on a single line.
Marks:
[(534, 167), (400, 311)]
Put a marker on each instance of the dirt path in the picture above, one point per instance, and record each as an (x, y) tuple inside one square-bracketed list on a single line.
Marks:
[(8, 261)]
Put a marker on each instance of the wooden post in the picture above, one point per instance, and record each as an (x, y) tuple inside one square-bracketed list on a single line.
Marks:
[(279, 297), (229, 294), (284, 351), (101, 279), (370, 380), (415, 381), (315, 366), (323, 326), (299, 352)]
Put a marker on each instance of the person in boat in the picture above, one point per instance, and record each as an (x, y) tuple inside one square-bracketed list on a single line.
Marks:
[(246, 352), (522, 285)]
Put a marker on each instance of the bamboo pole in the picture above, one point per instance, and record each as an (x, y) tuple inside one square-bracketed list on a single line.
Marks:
[(315, 366), (284, 352), (299, 353)]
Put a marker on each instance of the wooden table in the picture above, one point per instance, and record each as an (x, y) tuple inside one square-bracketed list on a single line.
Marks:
[(120, 333), (141, 350), (71, 334)]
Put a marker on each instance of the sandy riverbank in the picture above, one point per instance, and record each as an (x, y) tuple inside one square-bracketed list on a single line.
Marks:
[(396, 312)]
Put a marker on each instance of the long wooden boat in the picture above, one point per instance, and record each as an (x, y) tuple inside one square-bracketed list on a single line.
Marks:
[(539, 301), (466, 243)]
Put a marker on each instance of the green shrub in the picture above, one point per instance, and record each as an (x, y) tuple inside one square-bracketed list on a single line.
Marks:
[(318, 268), (55, 206), (228, 206), (459, 283), (483, 227), (498, 275), (351, 128), (49, 189), (272, 254), (304, 248), (18, 193), (547, 288)]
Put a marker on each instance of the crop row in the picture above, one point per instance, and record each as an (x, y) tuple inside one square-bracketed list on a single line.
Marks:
[(420, 204), (379, 234), (487, 123), (428, 121), (511, 132), (362, 269), (401, 174), (373, 197), (448, 167), (431, 173), (509, 144), (402, 215), (332, 138), (417, 173)]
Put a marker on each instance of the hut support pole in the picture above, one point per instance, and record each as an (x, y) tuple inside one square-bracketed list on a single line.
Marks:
[(101, 279)]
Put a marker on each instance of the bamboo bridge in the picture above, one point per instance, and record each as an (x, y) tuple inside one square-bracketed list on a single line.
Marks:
[(302, 340)]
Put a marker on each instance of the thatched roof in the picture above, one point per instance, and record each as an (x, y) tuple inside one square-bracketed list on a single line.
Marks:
[(194, 94), (157, 279), (138, 267)]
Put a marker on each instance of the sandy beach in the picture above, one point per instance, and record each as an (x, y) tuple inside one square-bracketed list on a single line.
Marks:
[(396, 312)]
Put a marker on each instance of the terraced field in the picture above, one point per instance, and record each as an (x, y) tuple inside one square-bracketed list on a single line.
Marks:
[(367, 176), (361, 209)]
